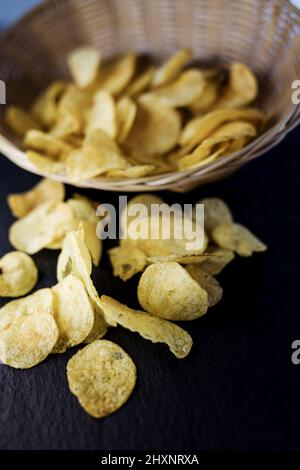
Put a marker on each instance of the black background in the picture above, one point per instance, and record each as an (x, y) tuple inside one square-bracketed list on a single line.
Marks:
[(238, 389)]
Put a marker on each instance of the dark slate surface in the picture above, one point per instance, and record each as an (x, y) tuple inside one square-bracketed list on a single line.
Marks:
[(238, 389)]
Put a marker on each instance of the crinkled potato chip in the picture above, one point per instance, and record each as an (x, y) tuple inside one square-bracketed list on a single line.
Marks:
[(46, 190), (98, 155), (73, 313), (216, 212), (168, 291), (28, 340), (20, 121), (102, 376), (127, 261), (172, 68), (237, 238), (148, 326), (102, 114), (155, 130), (182, 92), (126, 111), (200, 127), (18, 274), (45, 107), (39, 301), (116, 75), (84, 64), (43, 225), (208, 282)]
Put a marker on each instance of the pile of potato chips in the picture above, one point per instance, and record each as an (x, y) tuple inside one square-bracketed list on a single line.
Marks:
[(128, 118), (175, 285)]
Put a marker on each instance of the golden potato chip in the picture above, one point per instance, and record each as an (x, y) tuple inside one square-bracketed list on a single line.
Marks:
[(98, 155), (183, 91), (216, 259), (237, 238), (18, 274), (242, 88), (45, 190), (88, 234), (84, 64), (146, 199), (207, 152), (71, 109), (102, 114), (45, 107), (140, 83), (46, 144), (155, 130), (102, 376), (20, 121), (99, 328), (207, 98), (181, 258), (168, 291), (83, 208), (126, 111), (45, 164), (43, 225), (116, 75), (199, 128), (127, 261), (28, 340), (136, 171), (73, 313), (39, 301), (172, 68), (207, 282), (216, 212), (148, 326)]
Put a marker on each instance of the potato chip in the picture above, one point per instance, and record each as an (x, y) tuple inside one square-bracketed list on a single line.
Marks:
[(126, 112), (172, 68), (102, 114), (140, 83), (44, 164), (146, 200), (155, 130), (73, 313), (116, 75), (148, 326), (88, 233), (199, 128), (84, 64), (45, 107), (71, 109), (207, 282), (168, 291), (216, 259), (20, 121), (207, 98), (28, 340), (237, 238), (98, 155), (186, 89), (242, 88), (127, 261), (216, 212), (18, 274), (45, 190), (102, 376), (136, 171), (181, 258), (83, 208), (40, 227), (210, 149), (99, 328), (46, 144)]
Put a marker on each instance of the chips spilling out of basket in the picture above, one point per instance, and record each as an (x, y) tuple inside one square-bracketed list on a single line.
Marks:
[(129, 118)]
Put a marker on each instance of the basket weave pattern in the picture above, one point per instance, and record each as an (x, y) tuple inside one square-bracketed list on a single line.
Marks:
[(264, 34)]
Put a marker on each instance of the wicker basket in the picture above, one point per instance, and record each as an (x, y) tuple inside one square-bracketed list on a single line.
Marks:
[(265, 34)]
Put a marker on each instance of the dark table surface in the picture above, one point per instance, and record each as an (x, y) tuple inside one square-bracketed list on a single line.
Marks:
[(238, 389)]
